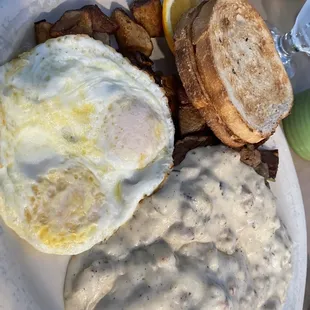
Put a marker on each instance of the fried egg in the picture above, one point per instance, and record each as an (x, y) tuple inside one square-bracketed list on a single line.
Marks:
[(84, 137)]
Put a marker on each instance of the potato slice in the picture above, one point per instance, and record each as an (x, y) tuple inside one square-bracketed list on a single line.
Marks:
[(190, 119), (103, 37), (250, 156), (73, 22), (143, 61), (169, 84), (182, 147), (42, 31), (148, 13), (130, 36), (100, 22), (271, 159)]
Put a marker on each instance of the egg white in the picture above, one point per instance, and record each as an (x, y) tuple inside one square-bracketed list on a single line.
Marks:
[(84, 137)]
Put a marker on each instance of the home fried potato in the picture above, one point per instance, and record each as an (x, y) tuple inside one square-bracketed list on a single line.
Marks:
[(103, 37), (138, 59), (100, 22), (265, 162), (86, 20), (190, 119), (73, 22), (271, 159), (42, 31), (170, 85), (148, 13), (130, 36), (182, 147), (250, 156)]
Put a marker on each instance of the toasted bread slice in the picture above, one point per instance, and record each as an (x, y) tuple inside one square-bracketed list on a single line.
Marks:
[(72, 22), (234, 49), (42, 31), (148, 13), (187, 68), (130, 36)]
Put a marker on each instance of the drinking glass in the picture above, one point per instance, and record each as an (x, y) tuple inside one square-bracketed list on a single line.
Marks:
[(295, 41), (296, 125)]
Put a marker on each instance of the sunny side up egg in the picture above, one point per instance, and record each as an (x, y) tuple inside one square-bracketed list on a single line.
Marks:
[(84, 137)]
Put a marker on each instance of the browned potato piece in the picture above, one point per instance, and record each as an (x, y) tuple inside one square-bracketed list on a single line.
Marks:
[(72, 22), (148, 13), (138, 59), (100, 22), (103, 37), (42, 31), (169, 85), (189, 143), (130, 36), (250, 156), (265, 162), (182, 96), (190, 120), (271, 159)]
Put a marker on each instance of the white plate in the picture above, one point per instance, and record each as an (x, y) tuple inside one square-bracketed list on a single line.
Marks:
[(32, 280)]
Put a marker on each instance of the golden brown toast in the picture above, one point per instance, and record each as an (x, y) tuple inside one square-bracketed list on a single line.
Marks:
[(188, 71), (234, 49)]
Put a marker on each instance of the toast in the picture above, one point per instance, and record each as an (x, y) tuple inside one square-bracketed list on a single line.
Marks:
[(188, 71), (234, 49)]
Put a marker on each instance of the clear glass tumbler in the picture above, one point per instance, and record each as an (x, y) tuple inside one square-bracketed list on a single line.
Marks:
[(294, 41), (296, 125)]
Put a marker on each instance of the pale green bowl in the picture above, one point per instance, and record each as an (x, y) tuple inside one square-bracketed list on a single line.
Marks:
[(297, 125)]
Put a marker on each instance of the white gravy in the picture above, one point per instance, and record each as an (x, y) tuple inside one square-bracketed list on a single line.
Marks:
[(209, 239)]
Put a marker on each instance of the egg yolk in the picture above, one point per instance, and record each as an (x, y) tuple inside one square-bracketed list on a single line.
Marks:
[(132, 135), (65, 206)]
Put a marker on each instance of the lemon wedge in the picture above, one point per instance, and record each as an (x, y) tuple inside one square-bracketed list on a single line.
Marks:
[(172, 13)]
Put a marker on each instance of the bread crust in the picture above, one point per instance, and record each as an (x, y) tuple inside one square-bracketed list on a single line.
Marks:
[(237, 103), (212, 67), (186, 64)]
